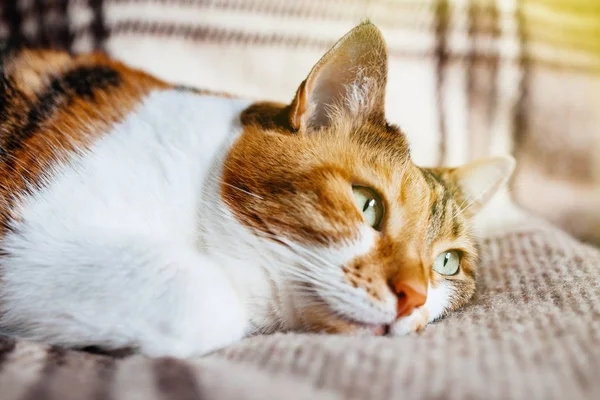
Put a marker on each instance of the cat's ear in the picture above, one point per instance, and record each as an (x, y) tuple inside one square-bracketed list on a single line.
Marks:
[(481, 179), (348, 81)]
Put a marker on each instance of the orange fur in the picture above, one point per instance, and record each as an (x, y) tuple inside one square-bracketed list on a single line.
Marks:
[(301, 164), (303, 184), (55, 104)]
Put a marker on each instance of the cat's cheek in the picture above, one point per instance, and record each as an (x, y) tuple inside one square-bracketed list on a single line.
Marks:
[(412, 323)]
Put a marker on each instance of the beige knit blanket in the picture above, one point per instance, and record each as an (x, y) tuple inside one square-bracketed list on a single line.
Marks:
[(532, 332)]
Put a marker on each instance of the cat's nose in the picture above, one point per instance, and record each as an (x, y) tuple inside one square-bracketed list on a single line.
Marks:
[(410, 296)]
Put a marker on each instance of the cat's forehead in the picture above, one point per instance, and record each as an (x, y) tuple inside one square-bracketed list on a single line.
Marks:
[(367, 152), (301, 182), (380, 139), (372, 142)]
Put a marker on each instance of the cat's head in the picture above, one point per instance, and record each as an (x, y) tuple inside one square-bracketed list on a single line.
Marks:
[(328, 179)]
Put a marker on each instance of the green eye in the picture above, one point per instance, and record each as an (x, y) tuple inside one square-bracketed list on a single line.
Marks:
[(370, 204), (447, 263)]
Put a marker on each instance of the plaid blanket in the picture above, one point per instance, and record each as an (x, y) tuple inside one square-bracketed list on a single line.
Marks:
[(468, 78)]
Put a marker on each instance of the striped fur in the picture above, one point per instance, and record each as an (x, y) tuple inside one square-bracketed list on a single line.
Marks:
[(53, 104)]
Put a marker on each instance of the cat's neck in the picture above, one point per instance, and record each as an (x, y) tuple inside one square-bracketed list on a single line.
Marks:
[(188, 135), (245, 258)]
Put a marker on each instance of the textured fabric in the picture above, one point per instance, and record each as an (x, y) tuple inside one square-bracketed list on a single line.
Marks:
[(532, 332), (468, 78)]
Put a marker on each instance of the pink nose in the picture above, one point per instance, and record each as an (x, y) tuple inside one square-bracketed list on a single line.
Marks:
[(410, 296)]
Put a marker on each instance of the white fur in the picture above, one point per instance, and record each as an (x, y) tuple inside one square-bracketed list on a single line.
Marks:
[(438, 299), (345, 300), (106, 253)]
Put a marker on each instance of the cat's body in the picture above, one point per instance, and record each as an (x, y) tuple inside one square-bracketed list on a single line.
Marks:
[(138, 214)]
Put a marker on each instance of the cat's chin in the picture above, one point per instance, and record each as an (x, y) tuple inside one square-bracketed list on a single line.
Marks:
[(357, 328), (401, 327), (412, 323)]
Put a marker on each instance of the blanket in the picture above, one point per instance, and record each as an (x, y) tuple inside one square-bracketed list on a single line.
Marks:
[(468, 78), (532, 332)]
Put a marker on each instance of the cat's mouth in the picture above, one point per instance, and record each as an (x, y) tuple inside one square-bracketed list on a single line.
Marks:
[(324, 318), (382, 330)]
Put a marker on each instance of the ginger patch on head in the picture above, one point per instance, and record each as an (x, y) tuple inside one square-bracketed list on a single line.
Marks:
[(328, 167)]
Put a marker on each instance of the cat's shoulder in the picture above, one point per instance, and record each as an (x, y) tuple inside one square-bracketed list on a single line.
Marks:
[(54, 105)]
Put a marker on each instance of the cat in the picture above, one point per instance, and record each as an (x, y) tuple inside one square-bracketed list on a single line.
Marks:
[(138, 214)]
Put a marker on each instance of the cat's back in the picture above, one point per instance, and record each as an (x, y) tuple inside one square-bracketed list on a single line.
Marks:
[(54, 105), (101, 172), (87, 143)]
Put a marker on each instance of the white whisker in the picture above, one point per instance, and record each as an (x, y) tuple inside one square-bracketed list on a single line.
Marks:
[(237, 188)]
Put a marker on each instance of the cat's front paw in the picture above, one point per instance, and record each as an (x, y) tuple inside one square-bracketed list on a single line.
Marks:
[(182, 348), (205, 313), (190, 342), (412, 323)]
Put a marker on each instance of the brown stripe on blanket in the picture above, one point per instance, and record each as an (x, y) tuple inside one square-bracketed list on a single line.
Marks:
[(312, 11), (64, 34), (442, 16), (211, 34), (219, 35), (98, 26), (43, 36), (11, 16), (175, 379), (520, 116), (105, 368), (7, 345), (482, 77), (55, 359), (73, 375), (51, 20), (472, 11)]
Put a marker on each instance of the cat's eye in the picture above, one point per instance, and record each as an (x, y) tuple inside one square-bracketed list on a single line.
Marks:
[(447, 263), (370, 204)]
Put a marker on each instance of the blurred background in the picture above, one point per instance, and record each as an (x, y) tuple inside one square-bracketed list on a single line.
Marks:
[(467, 78)]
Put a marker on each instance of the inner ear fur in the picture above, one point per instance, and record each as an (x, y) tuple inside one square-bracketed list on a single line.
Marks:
[(481, 179), (348, 81)]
